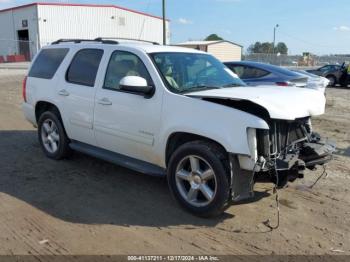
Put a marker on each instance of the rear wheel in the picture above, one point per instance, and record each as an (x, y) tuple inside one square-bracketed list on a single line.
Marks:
[(52, 137), (198, 178)]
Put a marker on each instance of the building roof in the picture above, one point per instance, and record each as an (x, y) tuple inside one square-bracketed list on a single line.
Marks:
[(84, 5), (205, 43)]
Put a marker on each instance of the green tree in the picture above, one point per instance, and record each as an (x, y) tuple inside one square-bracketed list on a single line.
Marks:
[(281, 48), (260, 48), (213, 37), (254, 48), (267, 47)]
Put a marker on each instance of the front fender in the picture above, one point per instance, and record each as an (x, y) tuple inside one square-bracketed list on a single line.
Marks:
[(227, 126)]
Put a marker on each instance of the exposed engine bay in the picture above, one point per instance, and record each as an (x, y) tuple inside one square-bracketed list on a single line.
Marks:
[(288, 148), (284, 151)]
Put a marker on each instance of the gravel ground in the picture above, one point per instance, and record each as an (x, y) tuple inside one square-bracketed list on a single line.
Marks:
[(86, 206)]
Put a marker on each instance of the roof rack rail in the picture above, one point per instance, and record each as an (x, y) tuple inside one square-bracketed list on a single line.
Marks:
[(77, 41), (127, 39)]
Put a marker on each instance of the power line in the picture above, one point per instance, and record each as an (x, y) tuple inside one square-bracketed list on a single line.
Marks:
[(305, 42)]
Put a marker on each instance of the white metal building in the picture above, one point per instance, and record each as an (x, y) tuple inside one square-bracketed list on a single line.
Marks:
[(24, 29), (221, 49)]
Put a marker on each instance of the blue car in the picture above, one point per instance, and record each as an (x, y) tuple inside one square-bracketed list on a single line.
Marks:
[(255, 74)]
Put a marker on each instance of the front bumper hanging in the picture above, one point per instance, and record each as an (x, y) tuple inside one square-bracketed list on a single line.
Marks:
[(285, 166)]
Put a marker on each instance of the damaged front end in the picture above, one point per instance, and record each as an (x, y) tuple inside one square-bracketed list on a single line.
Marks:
[(287, 148), (283, 153)]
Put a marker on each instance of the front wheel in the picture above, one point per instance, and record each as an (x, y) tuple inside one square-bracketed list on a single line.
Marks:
[(198, 178)]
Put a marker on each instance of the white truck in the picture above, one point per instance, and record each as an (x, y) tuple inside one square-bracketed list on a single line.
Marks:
[(175, 112)]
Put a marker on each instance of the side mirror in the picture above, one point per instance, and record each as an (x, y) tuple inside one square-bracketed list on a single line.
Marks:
[(136, 85)]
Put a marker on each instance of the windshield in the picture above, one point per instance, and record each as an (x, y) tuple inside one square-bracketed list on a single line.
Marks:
[(189, 72)]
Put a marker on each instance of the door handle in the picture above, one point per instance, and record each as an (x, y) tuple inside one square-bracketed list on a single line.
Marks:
[(105, 102), (63, 92)]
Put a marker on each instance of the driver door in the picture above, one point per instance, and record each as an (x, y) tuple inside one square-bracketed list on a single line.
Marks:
[(127, 123)]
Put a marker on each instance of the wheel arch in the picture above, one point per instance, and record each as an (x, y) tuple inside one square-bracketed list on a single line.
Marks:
[(333, 76), (177, 139), (43, 106)]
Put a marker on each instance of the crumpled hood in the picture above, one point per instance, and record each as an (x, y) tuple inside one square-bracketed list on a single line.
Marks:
[(286, 103)]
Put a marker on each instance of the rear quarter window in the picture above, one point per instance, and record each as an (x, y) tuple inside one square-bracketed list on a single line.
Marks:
[(253, 72), (237, 69), (47, 62), (281, 70)]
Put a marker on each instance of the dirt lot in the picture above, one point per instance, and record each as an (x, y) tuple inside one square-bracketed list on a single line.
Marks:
[(86, 206)]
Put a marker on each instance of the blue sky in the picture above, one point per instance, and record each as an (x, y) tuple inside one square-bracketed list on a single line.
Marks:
[(318, 26)]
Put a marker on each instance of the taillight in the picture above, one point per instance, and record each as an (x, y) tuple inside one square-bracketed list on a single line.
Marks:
[(24, 87), (282, 83)]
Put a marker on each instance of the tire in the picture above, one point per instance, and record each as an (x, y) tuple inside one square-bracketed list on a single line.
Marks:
[(203, 191), (332, 80), (50, 132)]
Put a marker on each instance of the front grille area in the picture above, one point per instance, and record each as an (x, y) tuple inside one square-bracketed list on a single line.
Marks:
[(282, 137), (284, 133), (288, 148)]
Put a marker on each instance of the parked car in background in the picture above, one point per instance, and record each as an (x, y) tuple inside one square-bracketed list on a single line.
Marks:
[(314, 81), (255, 74), (334, 73)]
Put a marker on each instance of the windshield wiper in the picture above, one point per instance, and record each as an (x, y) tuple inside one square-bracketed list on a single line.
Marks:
[(200, 88)]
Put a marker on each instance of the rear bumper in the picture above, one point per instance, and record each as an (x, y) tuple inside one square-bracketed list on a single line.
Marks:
[(29, 113)]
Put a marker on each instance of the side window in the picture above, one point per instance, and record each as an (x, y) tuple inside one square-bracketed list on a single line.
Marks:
[(173, 71), (335, 68), (47, 62), (123, 64), (84, 66), (252, 72), (237, 69), (325, 68)]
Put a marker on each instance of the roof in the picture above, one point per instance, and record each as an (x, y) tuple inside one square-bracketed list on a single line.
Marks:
[(83, 5), (168, 48), (147, 48), (195, 43)]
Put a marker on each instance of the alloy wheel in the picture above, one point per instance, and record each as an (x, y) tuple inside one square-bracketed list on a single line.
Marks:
[(196, 181), (50, 136)]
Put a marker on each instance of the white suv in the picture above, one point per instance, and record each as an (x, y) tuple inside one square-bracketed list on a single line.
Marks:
[(174, 112)]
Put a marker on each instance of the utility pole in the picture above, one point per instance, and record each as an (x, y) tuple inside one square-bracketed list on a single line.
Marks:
[(164, 24), (274, 36)]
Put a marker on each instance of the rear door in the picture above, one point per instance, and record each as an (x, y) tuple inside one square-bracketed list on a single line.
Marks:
[(76, 94)]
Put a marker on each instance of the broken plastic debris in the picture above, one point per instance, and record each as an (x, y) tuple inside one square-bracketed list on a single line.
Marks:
[(44, 241), (337, 250)]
